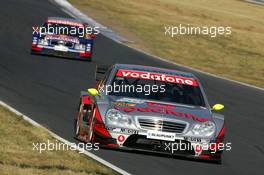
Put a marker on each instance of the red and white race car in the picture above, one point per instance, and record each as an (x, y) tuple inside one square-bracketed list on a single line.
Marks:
[(163, 111)]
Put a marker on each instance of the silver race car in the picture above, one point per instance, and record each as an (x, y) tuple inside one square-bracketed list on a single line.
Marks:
[(150, 109)]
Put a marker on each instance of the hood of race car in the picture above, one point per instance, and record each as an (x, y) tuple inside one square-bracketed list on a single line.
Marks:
[(138, 108)]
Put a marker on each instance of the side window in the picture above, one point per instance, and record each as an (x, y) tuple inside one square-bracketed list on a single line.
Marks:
[(104, 80), (106, 76)]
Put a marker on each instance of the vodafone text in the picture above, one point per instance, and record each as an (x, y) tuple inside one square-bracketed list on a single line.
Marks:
[(157, 76)]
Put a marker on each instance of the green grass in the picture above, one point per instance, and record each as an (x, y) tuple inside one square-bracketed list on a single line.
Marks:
[(18, 157), (239, 56)]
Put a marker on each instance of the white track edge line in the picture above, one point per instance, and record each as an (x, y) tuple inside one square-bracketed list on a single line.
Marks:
[(87, 153)]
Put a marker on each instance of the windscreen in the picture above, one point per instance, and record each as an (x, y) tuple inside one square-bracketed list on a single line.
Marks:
[(157, 86), (63, 29)]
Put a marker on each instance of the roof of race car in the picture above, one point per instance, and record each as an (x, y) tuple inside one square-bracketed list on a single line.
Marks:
[(64, 19), (67, 21), (155, 69)]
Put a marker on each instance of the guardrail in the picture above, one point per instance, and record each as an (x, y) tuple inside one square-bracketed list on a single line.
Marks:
[(260, 2)]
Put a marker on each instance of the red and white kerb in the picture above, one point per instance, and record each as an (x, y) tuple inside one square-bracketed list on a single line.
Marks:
[(156, 76)]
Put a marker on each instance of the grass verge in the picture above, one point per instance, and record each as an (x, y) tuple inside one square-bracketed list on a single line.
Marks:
[(18, 157), (239, 56)]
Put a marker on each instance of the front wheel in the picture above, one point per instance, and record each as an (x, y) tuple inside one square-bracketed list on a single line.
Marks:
[(90, 138), (77, 122), (76, 128)]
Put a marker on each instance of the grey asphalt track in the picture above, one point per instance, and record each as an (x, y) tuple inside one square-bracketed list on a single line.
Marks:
[(47, 89)]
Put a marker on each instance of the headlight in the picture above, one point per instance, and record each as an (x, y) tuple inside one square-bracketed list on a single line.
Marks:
[(43, 42), (204, 129), (79, 47), (114, 117)]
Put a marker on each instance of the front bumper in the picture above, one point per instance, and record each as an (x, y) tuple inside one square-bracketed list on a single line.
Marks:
[(137, 140), (69, 54)]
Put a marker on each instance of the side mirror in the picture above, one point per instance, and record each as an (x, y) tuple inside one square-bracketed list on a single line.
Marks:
[(218, 107), (93, 92), (90, 36), (93, 36)]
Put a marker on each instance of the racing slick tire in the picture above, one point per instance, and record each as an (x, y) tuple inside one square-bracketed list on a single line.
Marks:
[(91, 128), (77, 123), (76, 128), (90, 138)]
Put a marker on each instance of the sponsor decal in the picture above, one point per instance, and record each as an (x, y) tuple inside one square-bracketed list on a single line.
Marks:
[(122, 130), (61, 48), (162, 111), (62, 37), (152, 134), (198, 149), (193, 139), (130, 100), (152, 104), (128, 131), (52, 21), (121, 138), (124, 104), (157, 76)]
